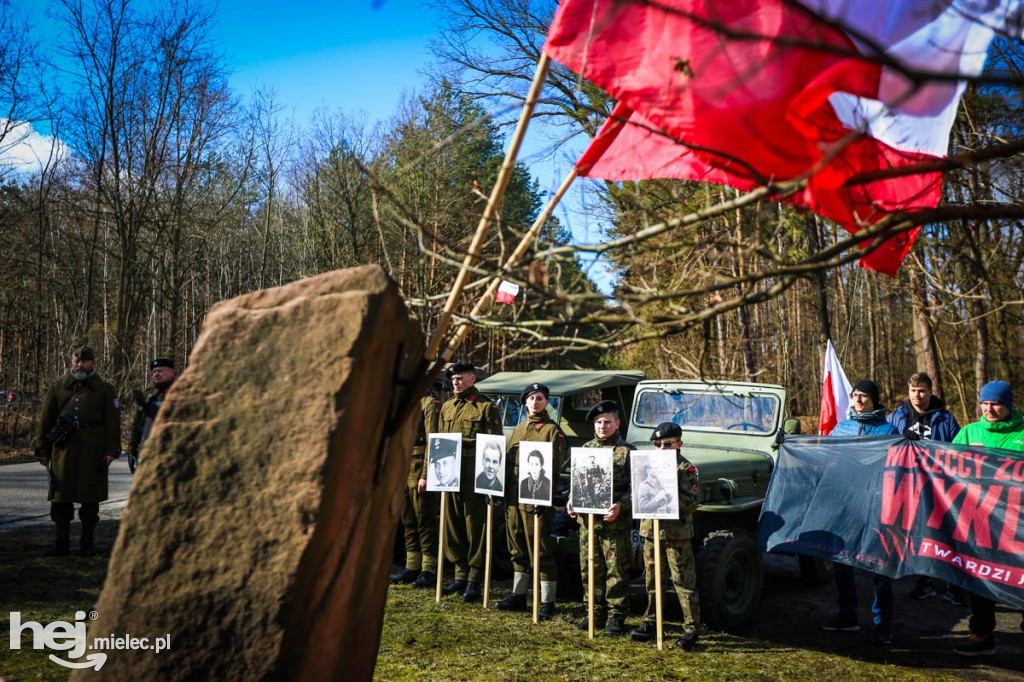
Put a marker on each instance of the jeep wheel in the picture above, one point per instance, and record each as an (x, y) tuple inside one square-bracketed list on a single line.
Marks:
[(729, 575), (814, 571)]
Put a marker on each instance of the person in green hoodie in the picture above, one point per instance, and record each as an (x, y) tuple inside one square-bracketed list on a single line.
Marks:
[(1000, 426)]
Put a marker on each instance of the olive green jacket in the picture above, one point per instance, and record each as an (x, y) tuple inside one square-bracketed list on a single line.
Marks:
[(469, 413), (78, 472), (430, 410), (536, 429)]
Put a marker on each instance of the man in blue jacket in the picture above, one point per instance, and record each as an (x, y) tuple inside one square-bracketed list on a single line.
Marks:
[(866, 418), (924, 415)]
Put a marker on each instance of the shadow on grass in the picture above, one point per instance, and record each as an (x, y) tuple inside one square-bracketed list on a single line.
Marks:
[(45, 589)]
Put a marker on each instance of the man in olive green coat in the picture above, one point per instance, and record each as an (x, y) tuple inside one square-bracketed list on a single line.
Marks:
[(538, 427), (420, 508), (611, 531), (676, 542), (87, 408), (468, 412)]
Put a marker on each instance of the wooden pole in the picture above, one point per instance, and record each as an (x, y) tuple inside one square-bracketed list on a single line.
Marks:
[(497, 192), (590, 575), (440, 544), (484, 302), (487, 565), (657, 582), (536, 565)]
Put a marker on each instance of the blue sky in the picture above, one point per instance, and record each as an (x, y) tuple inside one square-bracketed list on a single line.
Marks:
[(359, 55), (354, 55)]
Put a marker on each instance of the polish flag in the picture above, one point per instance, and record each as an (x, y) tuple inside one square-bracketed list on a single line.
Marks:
[(750, 92), (507, 292), (835, 393)]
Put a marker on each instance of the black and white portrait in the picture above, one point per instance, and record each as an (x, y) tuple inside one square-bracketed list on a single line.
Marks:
[(591, 482), (444, 461), (490, 464), (535, 473), (654, 484)]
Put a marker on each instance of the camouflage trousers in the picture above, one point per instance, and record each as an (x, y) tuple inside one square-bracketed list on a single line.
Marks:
[(519, 532), (678, 556), (611, 569), (420, 524)]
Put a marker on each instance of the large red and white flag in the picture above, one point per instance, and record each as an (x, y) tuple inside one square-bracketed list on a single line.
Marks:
[(835, 393), (750, 92)]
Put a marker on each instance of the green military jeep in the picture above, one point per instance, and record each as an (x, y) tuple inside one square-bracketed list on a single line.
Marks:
[(730, 433)]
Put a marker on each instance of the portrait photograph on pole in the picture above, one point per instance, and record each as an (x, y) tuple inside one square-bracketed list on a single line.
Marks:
[(490, 465), (591, 481), (444, 462), (654, 484), (535, 476)]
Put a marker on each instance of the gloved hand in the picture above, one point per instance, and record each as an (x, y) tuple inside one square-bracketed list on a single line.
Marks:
[(911, 435)]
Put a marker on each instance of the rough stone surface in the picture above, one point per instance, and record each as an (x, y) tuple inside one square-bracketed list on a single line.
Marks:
[(259, 530)]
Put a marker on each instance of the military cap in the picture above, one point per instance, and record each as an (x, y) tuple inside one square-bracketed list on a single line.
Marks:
[(534, 388), (162, 362), (459, 368), (84, 353), (667, 430), (442, 448), (601, 408)]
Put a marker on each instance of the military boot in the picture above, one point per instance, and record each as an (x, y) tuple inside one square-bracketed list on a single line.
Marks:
[(87, 543), (62, 544)]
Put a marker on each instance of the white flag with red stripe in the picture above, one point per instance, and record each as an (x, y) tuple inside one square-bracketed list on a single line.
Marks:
[(835, 393), (507, 292)]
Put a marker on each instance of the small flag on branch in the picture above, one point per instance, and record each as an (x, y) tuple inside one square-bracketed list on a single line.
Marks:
[(751, 92), (835, 393), (507, 292)]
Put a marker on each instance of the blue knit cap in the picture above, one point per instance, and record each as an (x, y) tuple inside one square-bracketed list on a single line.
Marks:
[(997, 392)]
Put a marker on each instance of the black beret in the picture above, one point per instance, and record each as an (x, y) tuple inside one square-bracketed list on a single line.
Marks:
[(533, 388), (601, 408), (459, 368), (162, 362), (84, 353), (667, 430)]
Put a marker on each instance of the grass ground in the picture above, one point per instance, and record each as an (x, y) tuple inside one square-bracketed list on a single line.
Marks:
[(423, 640), (455, 641)]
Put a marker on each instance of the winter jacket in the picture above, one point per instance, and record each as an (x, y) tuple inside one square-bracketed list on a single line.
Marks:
[(1008, 435), (943, 424), (865, 424)]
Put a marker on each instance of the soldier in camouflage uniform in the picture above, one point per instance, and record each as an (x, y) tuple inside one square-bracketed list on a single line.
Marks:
[(538, 427), (78, 465), (612, 531), (468, 412), (420, 508), (676, 547), (147, 405)]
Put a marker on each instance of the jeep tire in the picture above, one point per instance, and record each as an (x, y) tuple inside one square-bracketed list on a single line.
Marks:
[(729, 578)]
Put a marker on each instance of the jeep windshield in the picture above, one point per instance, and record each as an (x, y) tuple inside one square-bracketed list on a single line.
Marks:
[(695, 410)]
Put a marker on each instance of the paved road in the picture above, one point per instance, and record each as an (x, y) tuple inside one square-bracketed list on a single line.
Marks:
[(23, 494)]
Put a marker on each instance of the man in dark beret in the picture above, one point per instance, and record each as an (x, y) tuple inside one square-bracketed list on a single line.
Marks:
[(612, 531), (79, 436), (467, 412), (147, 405), (538, 428), (676, 546)]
